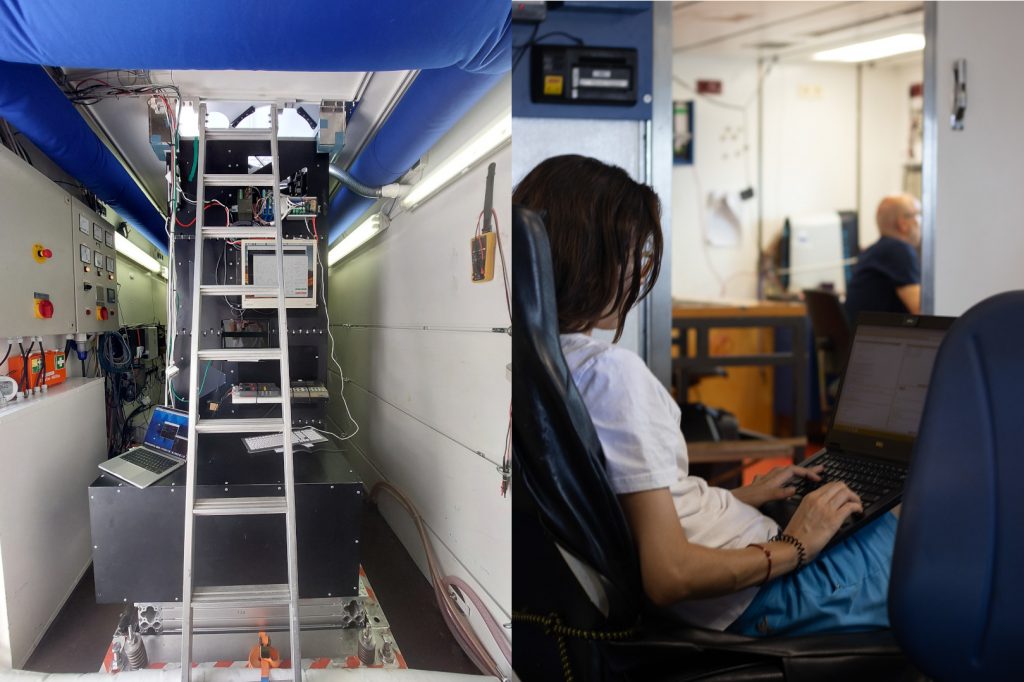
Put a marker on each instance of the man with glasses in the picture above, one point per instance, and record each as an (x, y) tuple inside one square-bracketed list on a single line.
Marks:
[(887, 277)]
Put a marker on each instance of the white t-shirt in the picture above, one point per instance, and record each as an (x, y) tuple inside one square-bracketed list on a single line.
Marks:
[(637, 422)]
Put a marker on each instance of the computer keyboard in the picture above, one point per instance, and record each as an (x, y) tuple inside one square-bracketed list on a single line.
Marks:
[(870, 479), (273, 441), (148, 461)]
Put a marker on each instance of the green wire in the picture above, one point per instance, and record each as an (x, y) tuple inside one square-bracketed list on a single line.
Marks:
[(202, 385), (195, 159)]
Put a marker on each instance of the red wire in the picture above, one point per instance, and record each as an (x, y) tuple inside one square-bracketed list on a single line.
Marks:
[(501, 255), (170, 114), (315, 236), (207, 205)]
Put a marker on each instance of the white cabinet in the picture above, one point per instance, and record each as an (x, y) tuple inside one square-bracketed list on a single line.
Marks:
[(49, 449)]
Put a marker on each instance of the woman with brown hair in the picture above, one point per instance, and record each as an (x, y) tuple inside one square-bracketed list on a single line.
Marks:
[(706, 553)]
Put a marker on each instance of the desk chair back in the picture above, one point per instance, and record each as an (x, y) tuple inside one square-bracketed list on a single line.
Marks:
[(956, 596), (828, 320), (562, 501)]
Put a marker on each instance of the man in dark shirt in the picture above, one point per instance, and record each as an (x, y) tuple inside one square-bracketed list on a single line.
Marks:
[(887, 277)]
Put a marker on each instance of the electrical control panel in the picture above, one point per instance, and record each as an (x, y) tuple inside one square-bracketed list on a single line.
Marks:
[(36, 255), (565, 74), (95, 271)]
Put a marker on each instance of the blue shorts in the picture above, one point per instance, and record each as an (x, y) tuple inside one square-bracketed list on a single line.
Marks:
[(844, 590)]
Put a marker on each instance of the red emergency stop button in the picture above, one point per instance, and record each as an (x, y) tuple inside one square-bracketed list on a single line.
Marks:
[(44, 308), (40, 253), (102, 313)]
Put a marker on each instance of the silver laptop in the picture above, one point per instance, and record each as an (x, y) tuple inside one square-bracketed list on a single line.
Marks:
[(162, 452)]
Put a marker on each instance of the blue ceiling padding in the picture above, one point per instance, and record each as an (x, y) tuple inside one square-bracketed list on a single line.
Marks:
[(34, 104), (430, 107), (298, 35), (462, 46)]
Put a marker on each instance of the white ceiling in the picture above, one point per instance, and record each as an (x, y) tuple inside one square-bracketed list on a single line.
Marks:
[(125, 120), (787, 30)]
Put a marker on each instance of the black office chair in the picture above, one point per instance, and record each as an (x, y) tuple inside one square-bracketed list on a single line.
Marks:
[(832, 333), (956, 593), (578, 602)]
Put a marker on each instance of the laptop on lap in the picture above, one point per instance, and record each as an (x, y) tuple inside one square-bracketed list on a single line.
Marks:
[(162, 452), (877, 414)]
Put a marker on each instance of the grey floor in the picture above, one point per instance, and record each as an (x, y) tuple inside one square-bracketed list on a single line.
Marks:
[(78, 638)]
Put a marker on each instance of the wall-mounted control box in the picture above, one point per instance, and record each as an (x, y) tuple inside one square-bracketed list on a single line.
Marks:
[(35, 252), (575, 74)]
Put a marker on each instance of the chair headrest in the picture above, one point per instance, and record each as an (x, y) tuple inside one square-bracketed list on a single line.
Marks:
[(955, 596), (558, 458)]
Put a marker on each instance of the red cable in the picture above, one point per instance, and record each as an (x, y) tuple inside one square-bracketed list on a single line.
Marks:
[(170, 115), (315, 236), (208, 204)]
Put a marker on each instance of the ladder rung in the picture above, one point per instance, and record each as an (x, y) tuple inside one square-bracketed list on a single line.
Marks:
[(241, 232), (271, 425), (240, 134), (239, 506), (239, 180), (241, 594), (240, 354), (237, 290)]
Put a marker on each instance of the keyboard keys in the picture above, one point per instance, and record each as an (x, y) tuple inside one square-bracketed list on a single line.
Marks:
[(148, 461), (870, 480)]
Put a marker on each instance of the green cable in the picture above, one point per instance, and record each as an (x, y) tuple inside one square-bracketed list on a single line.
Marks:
[(195, 159), (201, 385)]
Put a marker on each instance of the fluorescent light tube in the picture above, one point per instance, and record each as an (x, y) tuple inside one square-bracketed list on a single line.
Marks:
[(127, 248), (493, 136), (353, 239), (874, 49)]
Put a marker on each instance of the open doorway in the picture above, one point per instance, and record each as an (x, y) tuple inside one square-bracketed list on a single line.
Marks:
[(791, 122)]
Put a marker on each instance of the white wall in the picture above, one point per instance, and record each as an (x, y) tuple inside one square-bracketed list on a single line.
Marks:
[(885, 134), (142, 294), (619, 143), (429, 400), (809, 158), (977, 235)]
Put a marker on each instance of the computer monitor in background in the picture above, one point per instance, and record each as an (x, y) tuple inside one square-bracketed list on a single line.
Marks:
[(816, 251)]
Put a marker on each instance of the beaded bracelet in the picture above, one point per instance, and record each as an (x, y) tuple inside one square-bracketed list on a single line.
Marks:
[(801, 551), (768, 555)]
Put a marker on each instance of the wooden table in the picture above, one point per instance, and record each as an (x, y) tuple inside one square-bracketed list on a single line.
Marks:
[(704, 316), (712, 452)]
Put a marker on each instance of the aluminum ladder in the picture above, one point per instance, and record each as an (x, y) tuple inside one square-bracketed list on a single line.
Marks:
[(255, 594)]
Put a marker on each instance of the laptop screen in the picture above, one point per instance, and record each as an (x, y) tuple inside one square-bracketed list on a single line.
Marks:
[(886, 381), (168, 431)]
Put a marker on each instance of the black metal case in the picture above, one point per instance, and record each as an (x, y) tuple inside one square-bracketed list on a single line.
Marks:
[(138, 535)]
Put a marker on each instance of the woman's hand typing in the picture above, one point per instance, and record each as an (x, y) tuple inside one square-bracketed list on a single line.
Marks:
[(820, 515), (775, 485)]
